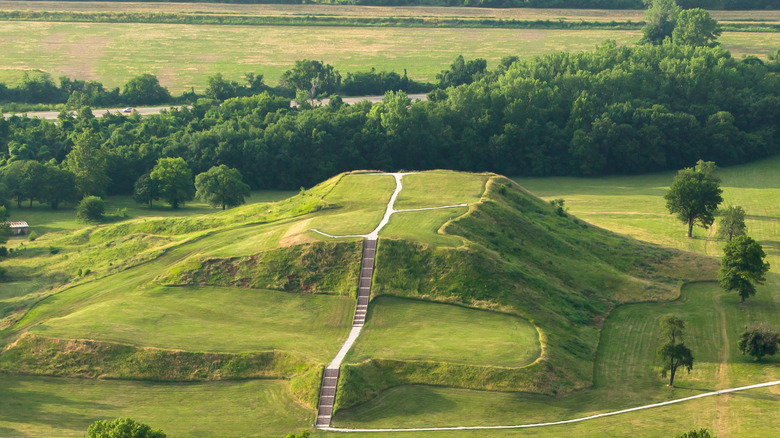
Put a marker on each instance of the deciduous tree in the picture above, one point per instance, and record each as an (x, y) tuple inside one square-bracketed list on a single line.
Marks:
[(87, 161), (758, 342), (694, 196), (221, 186), (732, 222), (145, 89), (91, 209), (660, 19), (174, 180), (695, 27), (673, 352), (742, 266), (145, 190)]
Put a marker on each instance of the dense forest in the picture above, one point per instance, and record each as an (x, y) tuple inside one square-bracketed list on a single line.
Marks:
[(574, 4), (614, 110)]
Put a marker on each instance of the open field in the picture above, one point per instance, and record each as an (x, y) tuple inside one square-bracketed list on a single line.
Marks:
[(184, 56), (61, 407), (418, 330), (370, 11)]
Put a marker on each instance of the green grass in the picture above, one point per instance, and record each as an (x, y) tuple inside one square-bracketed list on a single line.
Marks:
[(418, 330), (438, 188), (42, 219), (213, 319), (41, 406), (362, 200), (99, 51), (423, 226)]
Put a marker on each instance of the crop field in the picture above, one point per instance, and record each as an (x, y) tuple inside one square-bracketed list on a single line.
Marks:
[(183, 56)]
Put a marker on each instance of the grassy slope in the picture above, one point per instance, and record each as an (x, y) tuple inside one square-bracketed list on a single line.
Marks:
[(554, 271), (625, 373), (100, 51)]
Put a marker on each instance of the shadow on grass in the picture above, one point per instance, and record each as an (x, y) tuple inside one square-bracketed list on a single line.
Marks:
[(23, 403)]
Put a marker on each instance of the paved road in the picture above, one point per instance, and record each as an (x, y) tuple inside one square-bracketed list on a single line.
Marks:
[(145, 111), (52, 115)]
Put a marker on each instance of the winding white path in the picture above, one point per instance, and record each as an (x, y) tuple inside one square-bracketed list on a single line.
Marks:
[(557, 423), (389, 211)]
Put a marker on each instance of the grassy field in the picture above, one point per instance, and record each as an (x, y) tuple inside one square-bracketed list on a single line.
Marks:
[(419, 330), (60, 407), (184, 56)]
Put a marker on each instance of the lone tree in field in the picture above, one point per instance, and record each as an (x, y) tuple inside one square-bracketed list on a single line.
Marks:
[(695, 195), (122, 428), (742, 266), (221, 186), (91, 209), (174, 180), (732, 222), (759, 342), (673, 352)]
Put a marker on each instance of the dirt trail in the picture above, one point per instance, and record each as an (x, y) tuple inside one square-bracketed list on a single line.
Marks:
[(722, 374)]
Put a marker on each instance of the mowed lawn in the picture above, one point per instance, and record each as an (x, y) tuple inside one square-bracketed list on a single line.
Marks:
[(62, 407), (213, 319), (405, 329), (626, 376)]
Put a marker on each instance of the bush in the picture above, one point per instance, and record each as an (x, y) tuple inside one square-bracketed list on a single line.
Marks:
[(32, 236), (91, 209), (759, 342), (122, 428), (3, 251), (53, 250)]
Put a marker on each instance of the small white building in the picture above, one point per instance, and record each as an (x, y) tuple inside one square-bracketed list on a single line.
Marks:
[(19, 227)]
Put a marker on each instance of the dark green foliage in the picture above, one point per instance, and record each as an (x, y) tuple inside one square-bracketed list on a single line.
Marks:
[(122, 428), (462, 72), (672, 352), (616, 110), (145, 89), (220, 88), (173, 178), (303, 434), (660, 21), (377, 83), (742, 266), (732, 222), (558, 204), (59, 185), (145, 190), (5, 233), (221, 186), (91, 209), (87, 162), (695, 195), (695, 27), (701, 433), (313, 77), (759, 342)]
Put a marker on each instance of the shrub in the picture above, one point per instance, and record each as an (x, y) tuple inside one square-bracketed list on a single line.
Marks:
[(3, 251), (759, 342), (122, 428), (32, 236), (53, 250), (91, 209)]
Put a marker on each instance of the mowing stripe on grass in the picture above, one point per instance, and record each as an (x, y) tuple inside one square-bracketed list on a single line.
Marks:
[(558, 423)]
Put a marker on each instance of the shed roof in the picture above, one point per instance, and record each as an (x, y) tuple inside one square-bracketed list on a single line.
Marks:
[(18, 224)]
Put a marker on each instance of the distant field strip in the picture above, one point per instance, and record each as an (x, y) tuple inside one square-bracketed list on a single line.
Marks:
[(557, 423), (329, 20)]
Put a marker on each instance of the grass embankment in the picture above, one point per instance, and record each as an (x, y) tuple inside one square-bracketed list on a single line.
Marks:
[(522, 258)]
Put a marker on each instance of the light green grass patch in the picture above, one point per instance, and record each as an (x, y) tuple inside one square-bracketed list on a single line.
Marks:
[(423, 226), (62, 407), (361, 200), (439, 188), (214, 320), (406, 329)]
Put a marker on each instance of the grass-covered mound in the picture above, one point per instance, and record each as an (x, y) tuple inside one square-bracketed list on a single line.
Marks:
[(320, 267), (522, 257)]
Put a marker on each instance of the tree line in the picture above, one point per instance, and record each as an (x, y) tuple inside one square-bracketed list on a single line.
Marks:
[(145, 89)]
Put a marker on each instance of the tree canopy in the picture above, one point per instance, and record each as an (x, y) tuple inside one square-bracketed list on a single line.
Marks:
[(314, 77), (695, 27), (742, 266), (660, 20), (174, 181), (694, 196), (732, 222), (145, 89), (88, 162), (221, 186), (759, 341), (122, 428)]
